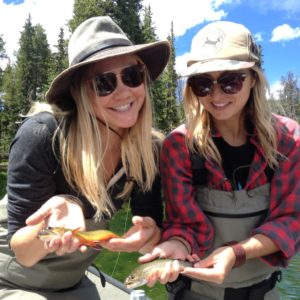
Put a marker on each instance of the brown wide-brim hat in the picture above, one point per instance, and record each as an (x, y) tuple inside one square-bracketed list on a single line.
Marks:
[(96, 39)]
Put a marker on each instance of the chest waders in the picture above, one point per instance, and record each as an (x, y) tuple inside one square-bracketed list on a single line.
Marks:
[(234, 215), (53, 278)]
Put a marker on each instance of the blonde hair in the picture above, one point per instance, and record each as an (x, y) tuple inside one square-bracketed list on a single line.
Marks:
[(82, 148), (200, 126)]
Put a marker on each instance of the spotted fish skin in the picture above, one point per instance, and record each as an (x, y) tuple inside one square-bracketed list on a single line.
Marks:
[(139, 275)]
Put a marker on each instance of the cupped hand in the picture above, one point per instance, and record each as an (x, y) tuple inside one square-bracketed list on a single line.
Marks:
[(173, 249), (59, 212), (170, 273), (142, 236), (169, 249), (214, 268)]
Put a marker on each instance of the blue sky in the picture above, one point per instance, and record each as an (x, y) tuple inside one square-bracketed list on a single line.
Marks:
[(274, 23), (281, 52)]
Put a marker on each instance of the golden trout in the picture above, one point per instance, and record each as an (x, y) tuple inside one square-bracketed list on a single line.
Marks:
[(139, 276), (88, 238)]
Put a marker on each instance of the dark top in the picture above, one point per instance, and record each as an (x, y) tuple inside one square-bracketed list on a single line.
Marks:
[(35, 175), (236, 161)]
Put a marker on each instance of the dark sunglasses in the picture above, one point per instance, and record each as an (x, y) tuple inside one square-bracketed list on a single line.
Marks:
[(132, 76), (230, 83)]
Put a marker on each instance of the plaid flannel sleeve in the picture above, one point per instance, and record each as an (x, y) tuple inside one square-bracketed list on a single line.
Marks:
[(282, 225), (184, 218)]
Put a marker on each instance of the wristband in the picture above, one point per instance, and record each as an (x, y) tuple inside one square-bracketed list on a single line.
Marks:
[(239, 251)]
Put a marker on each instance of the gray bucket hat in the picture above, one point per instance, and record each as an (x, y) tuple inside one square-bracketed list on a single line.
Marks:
[(96, 39), (221, 46)]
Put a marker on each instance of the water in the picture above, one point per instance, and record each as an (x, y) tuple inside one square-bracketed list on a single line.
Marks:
[(289, 287)]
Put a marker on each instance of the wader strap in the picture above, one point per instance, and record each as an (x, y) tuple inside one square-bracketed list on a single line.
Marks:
[(254, 292), (95, 270)]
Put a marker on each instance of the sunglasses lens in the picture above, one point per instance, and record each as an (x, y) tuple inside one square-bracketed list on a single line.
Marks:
[(232, 83), (200, 85), (133, 76), (105, 83)]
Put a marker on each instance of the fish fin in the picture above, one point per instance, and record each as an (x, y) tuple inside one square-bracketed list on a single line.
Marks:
[(75, 230), (96, 247)]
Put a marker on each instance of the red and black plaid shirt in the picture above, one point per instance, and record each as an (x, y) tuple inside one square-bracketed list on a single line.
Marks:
[(185, 218)]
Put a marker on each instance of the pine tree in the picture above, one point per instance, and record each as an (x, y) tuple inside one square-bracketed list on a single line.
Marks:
[(2, 56), (173, 114), (290, 96), (159, 87), (127, 17), (25, 71), (10, 108), (84, 9), (42, 58), (60, 57)]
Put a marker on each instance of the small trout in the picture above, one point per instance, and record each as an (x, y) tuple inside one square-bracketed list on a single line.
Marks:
[(92, 239), (139, 276)]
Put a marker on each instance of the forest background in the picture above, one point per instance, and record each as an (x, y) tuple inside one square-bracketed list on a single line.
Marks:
[(26, 80)]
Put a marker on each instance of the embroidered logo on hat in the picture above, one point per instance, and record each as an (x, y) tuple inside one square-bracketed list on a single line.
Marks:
[(221, 46), (210, 43)]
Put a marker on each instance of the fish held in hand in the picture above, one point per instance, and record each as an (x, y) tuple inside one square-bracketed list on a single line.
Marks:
[(91, 239), (139, 276)]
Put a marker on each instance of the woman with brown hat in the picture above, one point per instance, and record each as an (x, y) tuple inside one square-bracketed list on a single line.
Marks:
[(75, 160), (229, 176)]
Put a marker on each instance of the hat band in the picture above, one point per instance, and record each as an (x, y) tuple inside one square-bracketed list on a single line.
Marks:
[(96, 51)]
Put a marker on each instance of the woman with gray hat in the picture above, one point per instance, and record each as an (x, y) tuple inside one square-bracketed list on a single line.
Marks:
[(75, 160), (228, 176)]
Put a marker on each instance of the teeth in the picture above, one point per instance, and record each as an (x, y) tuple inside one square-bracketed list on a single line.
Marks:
[(219, 104), (122, 107)]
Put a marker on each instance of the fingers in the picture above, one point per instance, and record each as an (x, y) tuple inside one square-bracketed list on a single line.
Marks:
[(168, 274), (207, 262), (66, 244), (116, 244), (207, 274), (143, 221), (148, 257), (193, 258), (57, 211), (40, 215)]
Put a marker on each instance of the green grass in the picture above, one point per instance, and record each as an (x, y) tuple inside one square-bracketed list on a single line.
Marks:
[(114, 264), (119, 265)]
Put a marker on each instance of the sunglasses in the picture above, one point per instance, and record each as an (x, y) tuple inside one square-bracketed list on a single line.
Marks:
[(230, 83), (132, 76)]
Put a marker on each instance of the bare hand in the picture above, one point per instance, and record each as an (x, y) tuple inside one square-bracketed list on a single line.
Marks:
[(143, 235), (169, 249), (169, 274), (58, 212), (213, 268)]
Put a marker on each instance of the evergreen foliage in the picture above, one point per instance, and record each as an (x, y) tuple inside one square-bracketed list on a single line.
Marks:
[(290, 96), (36, 65), (59, 60)]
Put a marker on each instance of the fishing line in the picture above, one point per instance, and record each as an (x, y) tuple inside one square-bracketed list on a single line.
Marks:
[(125, 226)]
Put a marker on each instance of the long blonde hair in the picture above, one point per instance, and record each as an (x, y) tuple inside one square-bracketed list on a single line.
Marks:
[(200, 126), (82, 148)]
